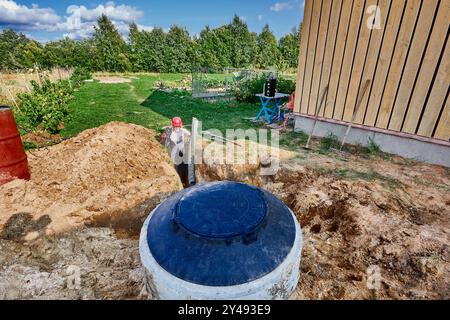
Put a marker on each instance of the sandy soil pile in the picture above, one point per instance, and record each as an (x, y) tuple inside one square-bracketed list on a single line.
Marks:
[(108, 176)]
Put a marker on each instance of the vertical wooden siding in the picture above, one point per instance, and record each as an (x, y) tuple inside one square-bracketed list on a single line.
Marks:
[(407, 61)]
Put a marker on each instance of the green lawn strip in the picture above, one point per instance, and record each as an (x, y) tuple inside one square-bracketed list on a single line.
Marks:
[(139, 102)]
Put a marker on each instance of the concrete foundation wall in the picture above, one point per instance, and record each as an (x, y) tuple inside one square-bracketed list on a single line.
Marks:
[(402, 145)]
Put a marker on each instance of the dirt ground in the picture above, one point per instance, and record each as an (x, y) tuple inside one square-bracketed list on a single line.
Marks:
[(111, 79), (379, 231), (361, 217)]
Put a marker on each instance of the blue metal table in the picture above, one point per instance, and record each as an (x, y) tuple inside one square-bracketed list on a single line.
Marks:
[(270, 112)]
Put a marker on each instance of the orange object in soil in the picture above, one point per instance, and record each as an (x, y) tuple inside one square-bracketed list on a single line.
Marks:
[(13, 160)]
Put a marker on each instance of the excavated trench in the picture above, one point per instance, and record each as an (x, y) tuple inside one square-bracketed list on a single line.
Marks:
[(350, 229), (362, 240)]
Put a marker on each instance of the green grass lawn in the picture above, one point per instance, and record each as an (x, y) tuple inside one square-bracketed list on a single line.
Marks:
[(139, 102)]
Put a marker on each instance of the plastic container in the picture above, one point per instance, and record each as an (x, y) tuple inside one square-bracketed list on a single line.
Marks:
[(13, 159)]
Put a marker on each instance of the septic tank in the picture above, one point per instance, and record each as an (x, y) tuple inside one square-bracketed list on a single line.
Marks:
[(221, 240)]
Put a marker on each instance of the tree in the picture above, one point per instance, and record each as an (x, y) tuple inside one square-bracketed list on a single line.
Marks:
[(69, 53), (290, 47), (268, 52), (136, 48), (147, 49), (230, 45), (17, 51), (211, 51), (243, 43), (178, 53), (110, 49)]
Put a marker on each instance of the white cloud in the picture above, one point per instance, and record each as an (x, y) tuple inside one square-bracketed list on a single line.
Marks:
[(118, 13), (145, 28), (13, 14), (77, 24), (260, 17), (281, 6)]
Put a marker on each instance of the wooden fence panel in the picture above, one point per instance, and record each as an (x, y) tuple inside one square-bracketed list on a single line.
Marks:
[(302, 56), (443, 128), (347, 64), (384, 61), (341, 40), (437, 96), (406, 59), (320, 55), (329, 49), (310, 55), (372, 57), (413, 62), (398, 62), (430, 63), (362, 47)]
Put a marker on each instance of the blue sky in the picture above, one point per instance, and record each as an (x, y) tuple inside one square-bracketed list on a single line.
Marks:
[(50, 20)]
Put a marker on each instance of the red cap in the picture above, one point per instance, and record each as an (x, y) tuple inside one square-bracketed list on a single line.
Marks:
[(176, 122)]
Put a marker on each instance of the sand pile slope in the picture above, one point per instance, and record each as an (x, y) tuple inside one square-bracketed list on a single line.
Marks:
[(90, 179)]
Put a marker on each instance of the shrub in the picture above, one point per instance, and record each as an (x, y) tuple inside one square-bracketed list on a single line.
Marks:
[(245, 89), (213, 83), (373, 148), (328, 142), (46, 107), (79, 75)]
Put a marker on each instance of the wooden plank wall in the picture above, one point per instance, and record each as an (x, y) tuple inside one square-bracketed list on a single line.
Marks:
[(406, 59)]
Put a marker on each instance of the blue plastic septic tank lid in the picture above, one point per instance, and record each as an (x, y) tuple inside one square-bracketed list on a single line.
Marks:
[(221, 211), (221, 234)]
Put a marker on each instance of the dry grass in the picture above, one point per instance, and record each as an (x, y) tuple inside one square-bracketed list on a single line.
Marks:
[(13, 83)]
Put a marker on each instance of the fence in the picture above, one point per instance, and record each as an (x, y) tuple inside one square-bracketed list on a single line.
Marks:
[(210, 84), (401, 46)]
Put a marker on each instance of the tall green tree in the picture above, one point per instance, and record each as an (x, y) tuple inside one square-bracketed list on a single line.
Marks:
[(212, 49), (178, 52), (290, 47), (136, 48), (268, 52), (243, 43), (110, 49), (148, 49)]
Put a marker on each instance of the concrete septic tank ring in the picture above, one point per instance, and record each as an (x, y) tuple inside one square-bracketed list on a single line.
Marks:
[(222, 240)]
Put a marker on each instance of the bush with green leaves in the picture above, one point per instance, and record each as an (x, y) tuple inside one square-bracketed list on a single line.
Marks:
[(212, 83), (46, 107), (79, 75), (245, 89)]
